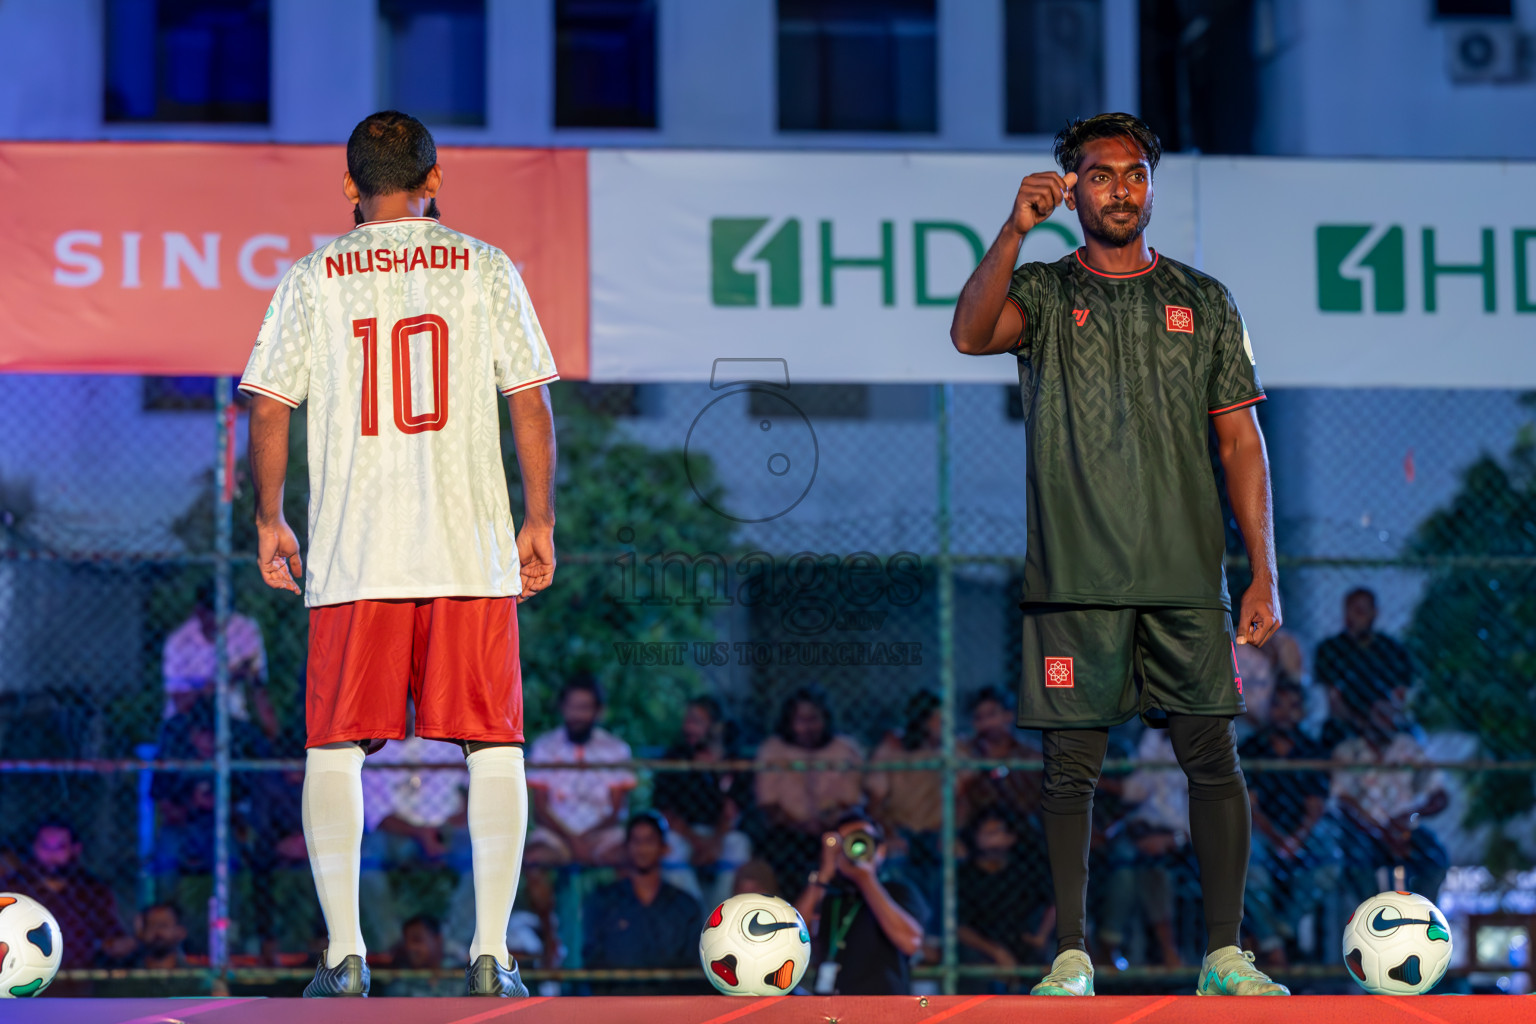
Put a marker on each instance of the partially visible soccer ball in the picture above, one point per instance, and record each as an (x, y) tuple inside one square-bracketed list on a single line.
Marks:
[(755, 945), (30, 946), (1398, 944)]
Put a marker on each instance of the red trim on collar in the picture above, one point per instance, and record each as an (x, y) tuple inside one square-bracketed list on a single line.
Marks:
[(1146, 270)]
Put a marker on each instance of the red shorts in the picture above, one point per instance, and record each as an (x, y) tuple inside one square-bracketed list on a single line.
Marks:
[(456, 657)]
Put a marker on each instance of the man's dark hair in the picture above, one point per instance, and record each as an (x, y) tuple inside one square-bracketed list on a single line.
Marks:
[(1366, 592), (426, 921), (1288, 686), (860, 816), (389, 152), (1074, 138), (580, 682), (920, 706), (815, 696), (205, 594), (991, 812), (651, 818), (990, 695), (709, 705)]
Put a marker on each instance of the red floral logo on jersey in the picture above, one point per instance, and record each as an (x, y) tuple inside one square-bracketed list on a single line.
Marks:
[(1181, 318), (1058, 673), (1081, 316)]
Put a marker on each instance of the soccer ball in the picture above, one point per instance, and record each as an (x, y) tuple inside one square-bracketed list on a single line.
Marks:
[(30, 946), (1398, 944), (755, 945)]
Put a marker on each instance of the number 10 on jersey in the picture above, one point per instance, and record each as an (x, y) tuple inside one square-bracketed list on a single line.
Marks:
[(407, 420)]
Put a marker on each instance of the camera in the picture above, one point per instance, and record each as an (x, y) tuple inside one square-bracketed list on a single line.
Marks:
[(859, 846)]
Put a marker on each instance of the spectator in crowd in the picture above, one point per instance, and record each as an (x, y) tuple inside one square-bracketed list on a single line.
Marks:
[(412, 817), (190, 661), (703, 808), (799, 807), (909, 804), (1261, 669), (1295, 846), (1003, 907), (756, 875), (865, 931), (994, 737), (578, 813), (421, 949), (1383, 807), (161, 936), (1360, 664), (533, 934), (84, 905), (641, 921), (1156, 846)]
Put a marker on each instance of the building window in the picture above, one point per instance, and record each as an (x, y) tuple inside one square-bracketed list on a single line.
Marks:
[(432, 59), (1055, 62), (605, 64), (188, 60), (858, 66)]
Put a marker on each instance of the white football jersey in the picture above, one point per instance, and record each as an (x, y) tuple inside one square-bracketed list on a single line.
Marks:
[(400, 334)]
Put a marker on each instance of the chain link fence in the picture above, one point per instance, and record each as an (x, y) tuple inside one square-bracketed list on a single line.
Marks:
[(797, 601)]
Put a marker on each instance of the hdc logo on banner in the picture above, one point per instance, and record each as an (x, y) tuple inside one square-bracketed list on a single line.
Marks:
[(1352, 256), (757, 261)]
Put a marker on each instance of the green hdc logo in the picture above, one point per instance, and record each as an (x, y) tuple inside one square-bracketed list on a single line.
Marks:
[(1352, 256), (760, 260)]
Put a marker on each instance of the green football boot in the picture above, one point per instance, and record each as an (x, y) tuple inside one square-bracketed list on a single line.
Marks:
[(1229, 971), (1071, 975)]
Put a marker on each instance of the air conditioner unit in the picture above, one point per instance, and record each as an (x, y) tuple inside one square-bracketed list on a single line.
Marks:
[(1485, 51)]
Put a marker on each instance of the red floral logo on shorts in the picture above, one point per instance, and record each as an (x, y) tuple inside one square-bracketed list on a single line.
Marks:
[(1058, 672), (1181, 318)]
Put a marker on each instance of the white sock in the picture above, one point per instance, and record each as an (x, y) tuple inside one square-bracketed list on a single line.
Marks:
[(333, 832), (498, 824)]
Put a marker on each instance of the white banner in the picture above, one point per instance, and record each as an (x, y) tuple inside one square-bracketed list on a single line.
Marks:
[(1377, 273), (847, 265)]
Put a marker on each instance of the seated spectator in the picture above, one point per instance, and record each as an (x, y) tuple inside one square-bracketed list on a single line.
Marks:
[(703, 808), (756, 875), (85, 906), (910, 804), (995, 737), (1295, 847), (1003, 907), (421, 949), (190, 662), (1382, 808), (533, 934), (1156, 834), (1358, 666), (799, 806), (160, 935), (413, 818), (640, 921), (865, 930), (578, 813)]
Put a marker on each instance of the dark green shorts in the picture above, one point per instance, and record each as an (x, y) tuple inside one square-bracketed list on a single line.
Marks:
[(1090, 667)]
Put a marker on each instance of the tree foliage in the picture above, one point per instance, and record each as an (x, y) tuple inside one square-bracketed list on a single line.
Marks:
[(1474, 631)]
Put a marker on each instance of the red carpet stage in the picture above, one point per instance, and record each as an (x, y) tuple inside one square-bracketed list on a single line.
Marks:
[(1361, 1009)]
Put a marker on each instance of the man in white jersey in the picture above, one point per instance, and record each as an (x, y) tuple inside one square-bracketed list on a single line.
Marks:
[(399, 334)]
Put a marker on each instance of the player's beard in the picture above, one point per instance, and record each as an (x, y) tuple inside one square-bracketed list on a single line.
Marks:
[(431, 211), (1117, 234)]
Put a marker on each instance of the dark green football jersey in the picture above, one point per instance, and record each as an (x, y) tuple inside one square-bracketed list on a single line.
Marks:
[(1119, 376)]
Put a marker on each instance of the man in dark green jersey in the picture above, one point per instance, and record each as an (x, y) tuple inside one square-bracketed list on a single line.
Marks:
[(1126, 361)]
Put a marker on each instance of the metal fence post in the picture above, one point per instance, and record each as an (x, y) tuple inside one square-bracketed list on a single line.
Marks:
[(947, 685), (218, 905)]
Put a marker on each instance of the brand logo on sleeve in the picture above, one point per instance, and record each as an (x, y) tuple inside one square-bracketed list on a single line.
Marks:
[(1058, 673), (1181, 319), (1081, 316)]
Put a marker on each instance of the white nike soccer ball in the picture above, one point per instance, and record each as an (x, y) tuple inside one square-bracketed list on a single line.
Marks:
[(30, 946), (755, 945), (1397, 944)]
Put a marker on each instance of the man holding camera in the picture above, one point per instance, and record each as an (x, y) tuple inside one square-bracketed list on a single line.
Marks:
[(865, 932)]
